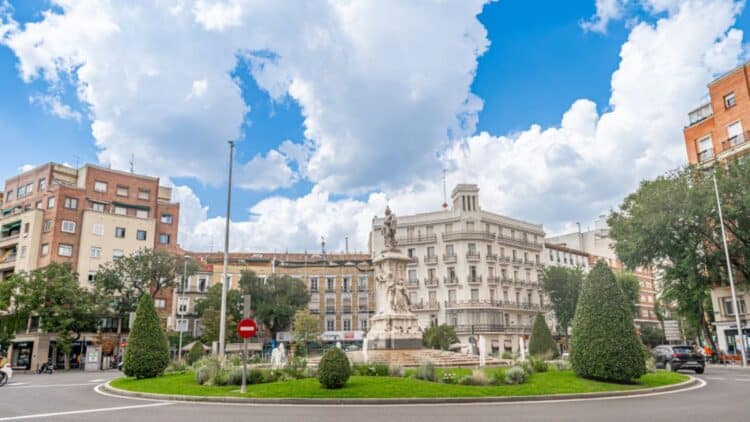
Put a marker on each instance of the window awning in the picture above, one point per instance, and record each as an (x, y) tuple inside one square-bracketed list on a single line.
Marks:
[(10, 227), (134, 206)]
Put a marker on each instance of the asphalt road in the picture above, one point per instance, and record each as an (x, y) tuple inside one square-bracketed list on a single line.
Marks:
[(71, 397)]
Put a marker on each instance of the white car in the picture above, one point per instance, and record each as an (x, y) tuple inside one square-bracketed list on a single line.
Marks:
[(6, 373)]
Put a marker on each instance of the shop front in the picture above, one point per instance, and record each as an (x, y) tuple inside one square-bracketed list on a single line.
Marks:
[(21, 355)]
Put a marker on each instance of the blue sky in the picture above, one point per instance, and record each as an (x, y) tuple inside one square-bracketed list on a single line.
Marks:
[(536, 66)]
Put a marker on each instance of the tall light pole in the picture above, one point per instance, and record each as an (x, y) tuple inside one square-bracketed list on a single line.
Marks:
[(223, 319), (735, 303), (180, 301)]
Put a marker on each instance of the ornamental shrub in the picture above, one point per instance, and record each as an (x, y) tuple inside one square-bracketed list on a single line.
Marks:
[(334, 369), (477, 377), (515, 375), (196, 352), (604, 345), (256, 376), (538, 364), (541, 342), (147, 354), (426, 372)]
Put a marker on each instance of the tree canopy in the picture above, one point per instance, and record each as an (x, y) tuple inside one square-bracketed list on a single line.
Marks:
[(274, 300), (563, 286), (631, 287)]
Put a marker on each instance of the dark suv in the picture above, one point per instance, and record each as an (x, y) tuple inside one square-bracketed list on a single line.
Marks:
[(673, 358)]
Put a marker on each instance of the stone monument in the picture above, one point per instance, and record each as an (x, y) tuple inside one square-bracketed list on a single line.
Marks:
[(394, 326)]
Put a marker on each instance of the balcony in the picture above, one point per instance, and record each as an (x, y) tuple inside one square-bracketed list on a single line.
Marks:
[(330, 311), (431, 260), (700, 114), (347, 309), (330, 290), (431, 282), (9, 240), (449, 259), (469, 235), (450, 281), (506, 280), (412, 284), (504, 259), (517, 261), (363, 309), (425, 306), (491, 257), (528, 262), (315, 311), (417, 240), (735, 144), (468, 304), (493, 280), (474, 280), (413, 260), (492, 328), (706, 155), (525, 243), (473, 256)]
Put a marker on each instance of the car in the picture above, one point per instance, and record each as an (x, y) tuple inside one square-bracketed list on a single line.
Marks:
[(673, 358)]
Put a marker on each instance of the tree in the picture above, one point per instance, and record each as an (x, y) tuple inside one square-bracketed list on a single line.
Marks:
[(275, 300), (126, 279), (604, 344), (211, 321), (306, 329), (15, 315), (631, 287), (213, 300), (196, 352), (64, 308), (541, 342), (147, 354), (439, 337), (652, 335), (563, 286)]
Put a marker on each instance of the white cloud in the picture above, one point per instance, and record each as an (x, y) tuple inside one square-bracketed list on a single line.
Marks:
[(606, 11), (26, 167), (269, 172), (53, 105)]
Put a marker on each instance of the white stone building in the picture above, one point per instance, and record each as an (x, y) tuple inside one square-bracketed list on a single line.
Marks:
[(472, 269)]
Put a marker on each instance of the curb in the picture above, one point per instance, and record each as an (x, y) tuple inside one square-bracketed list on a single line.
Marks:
[(399, 401)]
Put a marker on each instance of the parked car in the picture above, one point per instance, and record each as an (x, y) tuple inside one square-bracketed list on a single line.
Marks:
[(673, 358)]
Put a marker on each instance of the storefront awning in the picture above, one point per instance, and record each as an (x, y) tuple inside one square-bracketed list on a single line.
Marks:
[(134, 206)]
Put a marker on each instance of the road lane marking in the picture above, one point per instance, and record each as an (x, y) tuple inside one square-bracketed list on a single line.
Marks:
[(46, 385), (715, 378), (84, 411), (743, 379), (98, 380), (16, 383)]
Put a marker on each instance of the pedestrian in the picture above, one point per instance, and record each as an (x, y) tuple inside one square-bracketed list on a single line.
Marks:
[(3, 359), (707, 352)]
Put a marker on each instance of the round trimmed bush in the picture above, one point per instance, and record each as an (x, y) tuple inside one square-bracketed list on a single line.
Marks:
[(196, 352), (147, 354), (541, 342), (334, 369), (604, 345), (515, 375)]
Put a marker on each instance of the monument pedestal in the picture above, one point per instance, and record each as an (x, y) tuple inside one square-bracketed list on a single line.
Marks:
[(394, 331)]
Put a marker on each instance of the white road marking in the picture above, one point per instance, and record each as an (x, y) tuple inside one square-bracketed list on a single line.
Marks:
[(46, 385), (78, 412), (16, 383), (715, 378), (742, 379), (98, 380)]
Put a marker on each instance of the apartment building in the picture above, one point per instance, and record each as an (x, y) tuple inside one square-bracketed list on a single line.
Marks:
[(598, 245), (341, 285), (715, 133), (472, 269), (716, 130), (85, 217), (188, 293), (563, 256)]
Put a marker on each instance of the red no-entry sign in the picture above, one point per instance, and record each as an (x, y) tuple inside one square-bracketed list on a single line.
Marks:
[(247, 328)]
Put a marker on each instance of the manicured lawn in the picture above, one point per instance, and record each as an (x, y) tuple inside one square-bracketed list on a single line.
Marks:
[(552, 382)]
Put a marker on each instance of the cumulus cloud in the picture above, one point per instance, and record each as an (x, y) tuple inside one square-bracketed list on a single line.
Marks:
[(606, 11), (270, 172), (54, 105)]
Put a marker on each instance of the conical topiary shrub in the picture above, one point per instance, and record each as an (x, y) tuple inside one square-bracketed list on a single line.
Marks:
[(196, 352), (541, 342), (147, 354), (604, 344)]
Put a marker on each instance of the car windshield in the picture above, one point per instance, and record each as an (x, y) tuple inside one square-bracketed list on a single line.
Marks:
[(682, 349)]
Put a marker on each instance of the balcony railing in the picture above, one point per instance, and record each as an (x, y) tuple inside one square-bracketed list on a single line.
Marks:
[(449, 259), (474, 280), (450, 281), (520, 242), (493, 280), (412, 284), (425, 306), (472, 256), (467, 304), (347, 309), (735, 141), (506, 280), (494, 328), (430, 260), (330, 311), (469, 234), (517, 261), (415, 240), (431, 282), (504, 259), (491, 257), (706, 155), (413, 260), (315, 311)]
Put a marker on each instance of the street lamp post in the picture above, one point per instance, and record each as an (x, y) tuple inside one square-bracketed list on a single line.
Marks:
[(735, 303), (223, 315)]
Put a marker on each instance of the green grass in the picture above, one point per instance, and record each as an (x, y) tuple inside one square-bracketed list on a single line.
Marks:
[(552, 382)]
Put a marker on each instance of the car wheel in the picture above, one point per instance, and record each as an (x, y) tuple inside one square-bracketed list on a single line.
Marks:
[(699, 370), (668, 366)]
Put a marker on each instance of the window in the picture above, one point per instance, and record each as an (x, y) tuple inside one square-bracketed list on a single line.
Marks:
[(47, 226), (22, 254), (449, 228), (730, 100), (411, 252), (449, 250), (9, 195), (451, 273), (25, 229), (100, 186), (143, 194), (347, 325), (452, 296), (140, 234), (71, 203), (362, 284), (121, 210), (202, 283), (166, 218), (98, 229), (117, 253), (329, 284), (97, 206), (141, 213), (705, 149), (734, 133), (164, 239), (50, 202), (182, 306), (431, 251), (412, 276), (474, 295), (39, 205), (729, 306), (45, 249), (363, 324), (330, 325), (68, 226), (314, 284), (65, 250), (42, 184), (160, 303), (95, 252), (92, 278), (120, 232)]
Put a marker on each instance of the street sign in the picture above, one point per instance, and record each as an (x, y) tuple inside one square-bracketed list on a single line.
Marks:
[(181, 325), (672, 330), (123, 343), (247, 328)]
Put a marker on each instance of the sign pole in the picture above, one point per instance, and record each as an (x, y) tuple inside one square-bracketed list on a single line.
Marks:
[(245, 315)]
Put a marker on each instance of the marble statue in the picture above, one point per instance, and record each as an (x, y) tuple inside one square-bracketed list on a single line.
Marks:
[(398, 299), (389, 229), (278, 357)]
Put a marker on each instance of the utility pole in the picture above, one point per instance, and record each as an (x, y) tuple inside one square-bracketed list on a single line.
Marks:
[(739, 340), (223, 318)]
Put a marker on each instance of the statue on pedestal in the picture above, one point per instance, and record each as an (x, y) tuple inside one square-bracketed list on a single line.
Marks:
[(398, 299), (389, 229)]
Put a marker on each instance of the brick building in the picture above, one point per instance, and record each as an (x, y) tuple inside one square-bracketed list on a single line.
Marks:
[(85, 217)]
